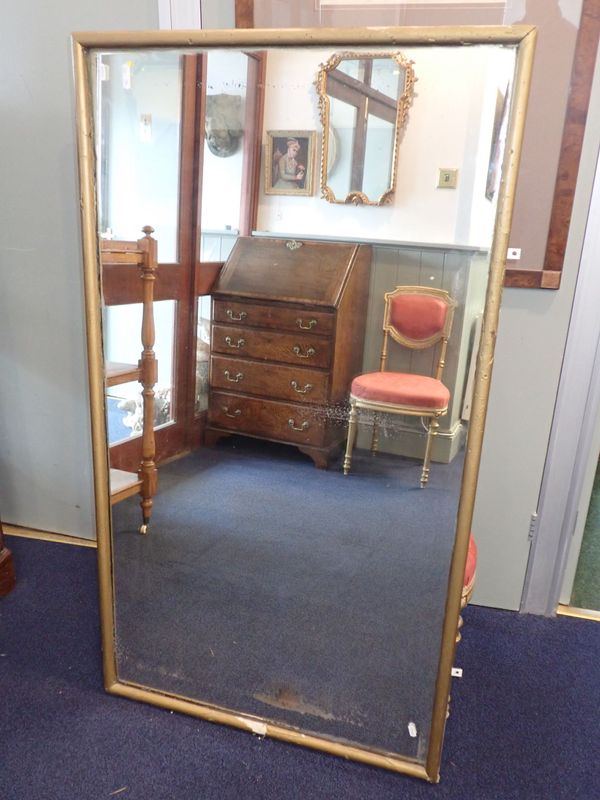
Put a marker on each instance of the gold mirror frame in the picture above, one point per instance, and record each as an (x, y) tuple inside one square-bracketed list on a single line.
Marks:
[(523, 38), (403, 103)]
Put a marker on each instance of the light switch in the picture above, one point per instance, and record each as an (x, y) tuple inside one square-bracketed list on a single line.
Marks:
[(146, 127), (448, 178)]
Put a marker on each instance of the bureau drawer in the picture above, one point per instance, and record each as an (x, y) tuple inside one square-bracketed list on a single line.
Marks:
[(281, 318), (269, 419), (301, 349), (297, 384)]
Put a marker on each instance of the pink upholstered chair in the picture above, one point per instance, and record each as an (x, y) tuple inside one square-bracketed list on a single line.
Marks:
[(416, 317)]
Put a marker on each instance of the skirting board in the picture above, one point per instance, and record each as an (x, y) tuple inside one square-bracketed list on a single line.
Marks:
[(408, 441), (578, 613), (46, 536)]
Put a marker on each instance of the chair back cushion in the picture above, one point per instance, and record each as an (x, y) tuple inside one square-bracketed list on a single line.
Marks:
[(418, 316)]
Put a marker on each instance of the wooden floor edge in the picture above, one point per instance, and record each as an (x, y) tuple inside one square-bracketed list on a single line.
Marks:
[(46, 536), (579, 613)]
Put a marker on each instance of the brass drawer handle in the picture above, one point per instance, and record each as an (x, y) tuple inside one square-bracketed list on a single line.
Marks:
[(240, 343), (298, 351), (308, 387), (294, 427), (232, 316), (227, 412), (239, 377), (310, 326)]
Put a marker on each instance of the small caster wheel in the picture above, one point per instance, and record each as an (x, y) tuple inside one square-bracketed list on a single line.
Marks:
[(144, 529)]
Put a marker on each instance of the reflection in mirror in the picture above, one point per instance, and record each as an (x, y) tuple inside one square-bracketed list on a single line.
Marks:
[(273, 591), (364, 100), (138, 135)]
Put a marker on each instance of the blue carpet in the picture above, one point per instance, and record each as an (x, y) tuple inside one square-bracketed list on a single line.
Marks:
[(301, 595), (523, 722)]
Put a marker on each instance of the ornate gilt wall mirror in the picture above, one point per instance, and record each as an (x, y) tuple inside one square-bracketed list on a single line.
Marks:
[(364, 100), (286, 600)]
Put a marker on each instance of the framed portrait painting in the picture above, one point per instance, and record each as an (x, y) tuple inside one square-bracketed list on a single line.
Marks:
[(289, 162)]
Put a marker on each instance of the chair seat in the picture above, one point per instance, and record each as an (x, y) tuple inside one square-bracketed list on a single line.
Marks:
[(403, 389)]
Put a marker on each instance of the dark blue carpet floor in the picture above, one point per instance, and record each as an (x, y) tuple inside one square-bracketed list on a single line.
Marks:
[(524, 721), (285, 581)]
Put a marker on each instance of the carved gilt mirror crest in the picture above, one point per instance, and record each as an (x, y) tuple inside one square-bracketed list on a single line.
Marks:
[(364, 100)]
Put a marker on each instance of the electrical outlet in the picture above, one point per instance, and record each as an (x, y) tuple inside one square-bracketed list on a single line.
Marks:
[(513, 254)]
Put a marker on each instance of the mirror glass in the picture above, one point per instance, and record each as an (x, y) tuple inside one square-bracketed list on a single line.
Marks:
[(270, 585), (364, 99)]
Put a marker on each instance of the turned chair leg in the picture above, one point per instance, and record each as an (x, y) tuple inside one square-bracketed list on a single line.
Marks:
[(375, 437), (433, 426), (148, 477), (352, 426)]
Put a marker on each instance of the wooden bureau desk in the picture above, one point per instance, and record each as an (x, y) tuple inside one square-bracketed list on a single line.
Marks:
[(287, 338)]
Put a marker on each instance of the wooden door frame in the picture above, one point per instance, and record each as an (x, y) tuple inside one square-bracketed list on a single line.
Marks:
[(206, 273), (244, 13), (189, 278), (175, 282)]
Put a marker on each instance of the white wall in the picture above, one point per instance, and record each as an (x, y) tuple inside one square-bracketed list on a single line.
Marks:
[(222, 177), (141, 161), (45, 452), (448, 127)]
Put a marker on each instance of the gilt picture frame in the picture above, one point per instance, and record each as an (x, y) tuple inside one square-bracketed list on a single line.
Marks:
[(290, 162)]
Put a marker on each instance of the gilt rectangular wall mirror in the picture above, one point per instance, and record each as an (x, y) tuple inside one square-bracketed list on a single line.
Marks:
[(288, 388)]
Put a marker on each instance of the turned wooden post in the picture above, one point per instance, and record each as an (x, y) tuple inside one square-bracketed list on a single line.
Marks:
[(148, 376)]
